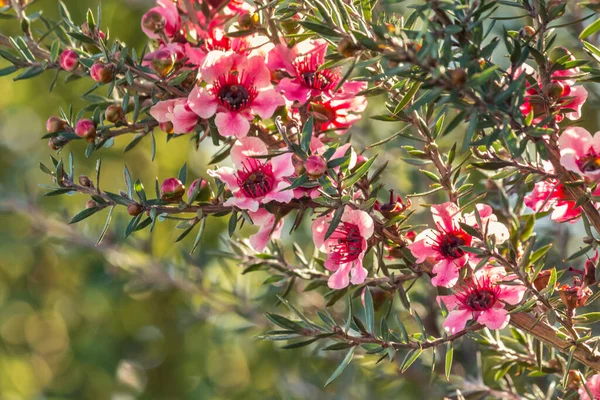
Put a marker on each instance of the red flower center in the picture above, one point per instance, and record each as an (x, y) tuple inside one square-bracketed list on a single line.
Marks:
[(234, 91), (307, 70), (346, 243), (448, 243), (590, 162), (478, 295), (256, 179)]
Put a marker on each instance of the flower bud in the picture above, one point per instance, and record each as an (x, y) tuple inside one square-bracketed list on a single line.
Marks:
[(394, 207), (527, 32), (589, 270), (541, 280), (163, 62), (315, 166), (555, 90), (57, 142), (85, 181), (134, 209), (114, 113), (102, 72), (56, 124), (153, 21), (91, 204), (69, 60), (86, 129), (573, 379), (574, 296), (347, 47), (559, 52), (196, 186), (172, 190), (458, 76), (248, 20), (166, 127)]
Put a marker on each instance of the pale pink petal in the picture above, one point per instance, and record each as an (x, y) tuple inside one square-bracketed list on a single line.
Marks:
[(339, 279), (231, 123), (245, 148), (494, 318), (265, 221), (422, 247), (593, 384), (255, 68), (184, 120), (512, 294), (341, 152), (194, 55), (266, 102), (358, 273), (450, 301), (456, 321), (281, 57), (227, 175), (293, 90), (162, 110), (499, 230), (361, 219), (319, 228), (446, 215), (580, 96), (215, 64), (202, 103), (575, 140), (244, 203), (282, 166), (279, 194), (447, 273)]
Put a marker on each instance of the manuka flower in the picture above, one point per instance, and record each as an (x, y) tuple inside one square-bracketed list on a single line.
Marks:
[(482, 299), (346, 247), (162, 21), (593, 385), (443, 243), (580, 152), (177, 112), (236, 95), (255, 181)]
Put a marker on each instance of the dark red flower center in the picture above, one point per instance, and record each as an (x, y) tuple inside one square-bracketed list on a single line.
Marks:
[(448, 243), (590, 162), (234, 92), (346, 243), (307, 70), (256, 179), (479, 295)]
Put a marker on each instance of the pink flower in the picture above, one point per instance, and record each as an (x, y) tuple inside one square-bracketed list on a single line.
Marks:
[(443, 244), (594, 385), (162, 21), (69, 60), (346, 247), (236, 95), (177, 112), (567, 99), (267, 229), (482, 299), (255, 181), (339, 114), (580, 152)]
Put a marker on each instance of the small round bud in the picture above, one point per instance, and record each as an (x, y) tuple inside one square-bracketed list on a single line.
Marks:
[(85, 181), (196, 186), (347, 47), (290, 26), (69, 60), (556, 90), (56, 124), (163, 62), (57, 142), (458, 76), (102, 72), (153, 21), (172, 190), (248, 20), (166, 127), (541, 280), (573, 379), (114, 113), (86, 129), (315, 166), (560, 52), (134, 209), (527, 32), (91, 204)]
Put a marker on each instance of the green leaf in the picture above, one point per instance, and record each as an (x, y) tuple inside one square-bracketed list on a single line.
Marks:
[(183, 174), (284, 322), (319, 28), (345, 362), (449, 357), (335, 221), (299, 344), (106, 225), (84, 214), (307, 131), (369, 311), (363, 169), (589, 318), (29, 73), (232, 223), (199, 235), (590, 29), (410, 358), (407, 97)]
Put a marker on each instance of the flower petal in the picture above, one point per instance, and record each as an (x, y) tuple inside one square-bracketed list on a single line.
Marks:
[(232, 124), (494, 318), (456, 321)]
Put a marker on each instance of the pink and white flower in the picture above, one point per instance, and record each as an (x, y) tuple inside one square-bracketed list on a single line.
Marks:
[(254, 181), (339, 114), (236, 95), (302, 63), (177, 112), (567, 97), (593, 384), (442, 244), (482, 299), (268, 229), (580, 152), (162, 21), (346, 247)]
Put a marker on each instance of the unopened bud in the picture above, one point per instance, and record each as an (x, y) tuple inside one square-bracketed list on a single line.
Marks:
[(56, 124), (91, 204), (172, 190), (114, 113), (458, 76), (315, 166), (555, 90), (394, 207), (347, 47), (559, 52), (248, 20), (86, 129), (166, 127), (527, 32), (85, 181), (195, 188), (134, 209), (573, 379), (57, 142), (163, 62), (69, 60), (153, 21), (102, 72)]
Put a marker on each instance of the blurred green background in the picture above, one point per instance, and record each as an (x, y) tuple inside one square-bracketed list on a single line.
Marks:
[(138, 318)]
